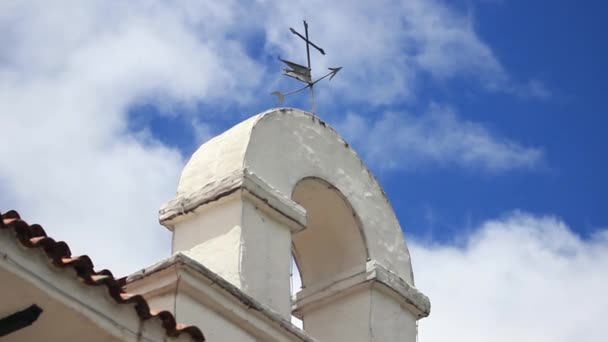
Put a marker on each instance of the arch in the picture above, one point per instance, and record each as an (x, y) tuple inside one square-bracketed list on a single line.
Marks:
[(333, 242), (283, 147)]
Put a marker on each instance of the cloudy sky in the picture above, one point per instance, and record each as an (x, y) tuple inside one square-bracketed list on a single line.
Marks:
[(483, 119)]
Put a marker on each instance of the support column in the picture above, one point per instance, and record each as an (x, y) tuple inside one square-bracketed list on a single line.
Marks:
[(373, 305), (240, 228)]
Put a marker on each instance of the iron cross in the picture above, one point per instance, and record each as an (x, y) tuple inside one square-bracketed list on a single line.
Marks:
[(303, 73)]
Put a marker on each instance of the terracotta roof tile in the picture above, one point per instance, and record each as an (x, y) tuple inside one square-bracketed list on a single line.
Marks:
[(34, 236)]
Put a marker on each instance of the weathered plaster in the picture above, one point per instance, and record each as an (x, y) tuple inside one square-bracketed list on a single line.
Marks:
[(374, 275), (284, 177), (283, 146), (244, 240), (241, 180), (197, 295)]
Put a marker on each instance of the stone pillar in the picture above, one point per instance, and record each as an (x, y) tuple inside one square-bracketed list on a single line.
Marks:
[(372, 305), (240, 228)]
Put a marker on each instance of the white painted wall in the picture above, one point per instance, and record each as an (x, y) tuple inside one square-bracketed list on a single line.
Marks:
[(346, 318), (284, 146), (216, 327), (265, 259), (390, 320), (218, 245), (244, 244), (198, 296)]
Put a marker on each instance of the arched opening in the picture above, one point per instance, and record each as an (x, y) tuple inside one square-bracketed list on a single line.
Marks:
[(332, 246)]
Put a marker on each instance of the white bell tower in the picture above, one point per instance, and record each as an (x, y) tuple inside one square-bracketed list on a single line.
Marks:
[(283, 183)]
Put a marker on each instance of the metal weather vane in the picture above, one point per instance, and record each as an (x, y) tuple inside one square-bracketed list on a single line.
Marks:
[(304, 73)]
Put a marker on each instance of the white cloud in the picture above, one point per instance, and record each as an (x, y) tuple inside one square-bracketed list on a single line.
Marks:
[(405, 141), (68, 76), (384, 46), (534, 88), (70, 72), (518, 278)]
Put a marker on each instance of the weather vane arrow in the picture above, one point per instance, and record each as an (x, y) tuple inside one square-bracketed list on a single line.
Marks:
[(303, 73), (281, 96)]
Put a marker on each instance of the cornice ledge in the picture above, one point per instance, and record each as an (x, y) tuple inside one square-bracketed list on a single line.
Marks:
[(200, 271), (420, 303), (374, 275), (244, 182)]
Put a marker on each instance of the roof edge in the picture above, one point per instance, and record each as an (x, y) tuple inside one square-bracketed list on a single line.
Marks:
[(34, 237), (200, 269)]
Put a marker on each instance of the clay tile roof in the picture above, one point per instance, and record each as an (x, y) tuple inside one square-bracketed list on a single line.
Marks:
[(33, 236)]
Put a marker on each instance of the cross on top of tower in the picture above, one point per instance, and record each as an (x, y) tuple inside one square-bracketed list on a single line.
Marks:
[(304, 73)]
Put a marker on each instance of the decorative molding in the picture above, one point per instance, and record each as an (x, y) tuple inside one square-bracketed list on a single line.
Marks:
[(375, 275), (250, 186)]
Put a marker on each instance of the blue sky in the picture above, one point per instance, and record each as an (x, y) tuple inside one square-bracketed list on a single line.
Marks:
[(435, 201), (483, 120)]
